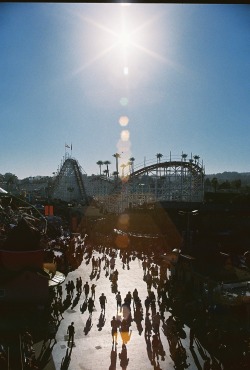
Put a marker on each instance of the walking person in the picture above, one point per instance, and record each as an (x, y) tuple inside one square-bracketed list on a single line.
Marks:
[(114, 325), (71, 333), (93, 286), (118, 300), (148, 325), (103, 301), (91, 305), (86, 290), (156, 322)]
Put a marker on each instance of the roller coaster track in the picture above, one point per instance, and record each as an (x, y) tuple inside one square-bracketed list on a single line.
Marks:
[(68, 184), (192, 167), (163, 181), (169, 180)]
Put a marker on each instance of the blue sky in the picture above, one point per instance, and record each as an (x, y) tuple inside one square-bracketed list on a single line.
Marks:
[(136, 80)]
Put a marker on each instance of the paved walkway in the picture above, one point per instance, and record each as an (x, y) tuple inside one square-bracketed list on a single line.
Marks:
[(93, 349)]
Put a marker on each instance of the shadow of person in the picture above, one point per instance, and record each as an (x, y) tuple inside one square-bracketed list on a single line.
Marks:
[(196, 360), (101, 321), (88, 325), (67, 302), (180, 357), (149, 348), (124, 360), (66, 360), (44, 356), (138, 317), (83, 307), (76, 300), (113, 357)]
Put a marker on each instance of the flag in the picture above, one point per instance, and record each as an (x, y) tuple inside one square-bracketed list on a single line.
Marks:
[(67, 146), (71, 146)]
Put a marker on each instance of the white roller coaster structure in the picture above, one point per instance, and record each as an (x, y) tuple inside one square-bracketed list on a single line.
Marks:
[(170, 179)]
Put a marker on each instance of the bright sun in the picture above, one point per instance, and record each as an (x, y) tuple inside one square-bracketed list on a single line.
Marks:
[(124, 39)]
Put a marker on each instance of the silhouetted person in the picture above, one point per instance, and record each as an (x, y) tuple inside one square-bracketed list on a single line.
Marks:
[(91, 305), (118, 300), (156, 322), (147, 303), (93, 286), (71, 333), (148, 325), (155, 347), (103, 301), (86, 289), (114, 325)]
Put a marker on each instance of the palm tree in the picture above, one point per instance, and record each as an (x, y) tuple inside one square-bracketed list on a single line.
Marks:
[(158, 156), (184, 156), (107, 164), (115, 173), (106, 172), (123, 165), (131, 160), (196, 158), (117, 155), (100, 163)]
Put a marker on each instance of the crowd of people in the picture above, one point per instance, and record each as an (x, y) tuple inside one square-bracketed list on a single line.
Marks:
[(155, 315)]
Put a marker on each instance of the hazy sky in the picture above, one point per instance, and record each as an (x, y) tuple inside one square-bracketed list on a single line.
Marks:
[(137, 80)]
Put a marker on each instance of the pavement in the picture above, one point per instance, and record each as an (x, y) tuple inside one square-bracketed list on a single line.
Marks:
[(93, 348)]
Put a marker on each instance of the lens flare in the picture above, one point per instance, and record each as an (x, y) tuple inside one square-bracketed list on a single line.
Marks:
[(123, 120), (125, 135), (124, 101), (125, 71)]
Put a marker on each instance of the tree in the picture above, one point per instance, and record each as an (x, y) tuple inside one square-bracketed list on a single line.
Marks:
[(105, 172), (131, 163), (115, 173), (196, 158), (159, 156), (207, 183), (236, 184), (117, 155), (184, 156), (123, 165), (107, 164), (100, 163), (11, 181), (214, 183), (225, 185)]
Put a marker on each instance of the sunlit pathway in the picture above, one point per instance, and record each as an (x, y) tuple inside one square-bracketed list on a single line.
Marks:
[(93, 344)]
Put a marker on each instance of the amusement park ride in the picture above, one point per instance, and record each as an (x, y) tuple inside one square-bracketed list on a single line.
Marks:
[(172, 179)]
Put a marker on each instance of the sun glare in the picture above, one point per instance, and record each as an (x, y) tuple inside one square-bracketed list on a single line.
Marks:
[(124, 39)]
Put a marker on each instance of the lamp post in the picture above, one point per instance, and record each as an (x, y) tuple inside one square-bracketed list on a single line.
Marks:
[(187, 243)]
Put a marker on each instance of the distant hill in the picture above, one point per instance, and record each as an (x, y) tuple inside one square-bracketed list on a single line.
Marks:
[(231, 176)]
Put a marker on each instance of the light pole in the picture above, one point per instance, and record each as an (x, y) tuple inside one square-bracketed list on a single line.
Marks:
[(187, 243)]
